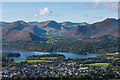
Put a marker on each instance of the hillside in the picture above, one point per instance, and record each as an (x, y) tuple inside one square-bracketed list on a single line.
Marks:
[(22, 31), (71, 24), (104, 44), (49, 25), (18, 31), (106, 27)]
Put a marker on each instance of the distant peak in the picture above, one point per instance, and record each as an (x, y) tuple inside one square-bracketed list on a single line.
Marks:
[(51, 21), (20, 21), (84, 23), (67, 22), (33, 22), (110, 19)]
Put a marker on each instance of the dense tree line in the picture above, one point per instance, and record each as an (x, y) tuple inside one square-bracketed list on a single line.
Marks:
[(6, 57), (36, 57), (4, 54), (105, 44)]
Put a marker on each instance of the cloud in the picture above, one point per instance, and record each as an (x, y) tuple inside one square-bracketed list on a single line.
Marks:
[(44, 11), (35, 15), (106, 1), (109, 4), (96, 2), (113, 6), (91, 5)]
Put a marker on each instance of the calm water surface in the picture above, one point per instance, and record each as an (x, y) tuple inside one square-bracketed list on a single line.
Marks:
[(66, 54)]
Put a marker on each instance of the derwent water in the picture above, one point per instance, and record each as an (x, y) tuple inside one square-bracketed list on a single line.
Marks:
[(66, 54)]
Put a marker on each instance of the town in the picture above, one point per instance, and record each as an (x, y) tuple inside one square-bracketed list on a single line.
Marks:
[(64, 67), (43, 70)]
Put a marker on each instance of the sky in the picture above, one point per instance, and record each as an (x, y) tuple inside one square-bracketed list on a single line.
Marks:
[(89, 12)]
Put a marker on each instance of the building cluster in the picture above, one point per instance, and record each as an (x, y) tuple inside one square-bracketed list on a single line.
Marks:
[(45, 70)]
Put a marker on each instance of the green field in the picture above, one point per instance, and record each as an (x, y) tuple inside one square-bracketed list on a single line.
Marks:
[(98, 64), (31, 61), (52, 58), (84, 74)]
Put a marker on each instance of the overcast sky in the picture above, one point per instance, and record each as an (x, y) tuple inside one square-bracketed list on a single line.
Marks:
[(59, 11)]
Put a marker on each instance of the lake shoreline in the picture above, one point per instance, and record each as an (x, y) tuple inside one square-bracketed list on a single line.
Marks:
[(24, 54), (18, 49)]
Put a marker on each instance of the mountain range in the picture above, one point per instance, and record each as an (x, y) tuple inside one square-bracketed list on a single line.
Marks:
[(106, 27), (28, 31)]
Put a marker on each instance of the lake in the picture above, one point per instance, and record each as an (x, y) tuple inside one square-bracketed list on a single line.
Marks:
[(66, 54)]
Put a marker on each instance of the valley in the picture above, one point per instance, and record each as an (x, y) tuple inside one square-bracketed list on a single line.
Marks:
[(50, 36), (60, 50), (23, 31)]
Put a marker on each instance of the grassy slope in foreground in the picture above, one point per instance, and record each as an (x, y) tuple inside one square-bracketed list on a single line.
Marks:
[(98, 64), (31, 61)]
